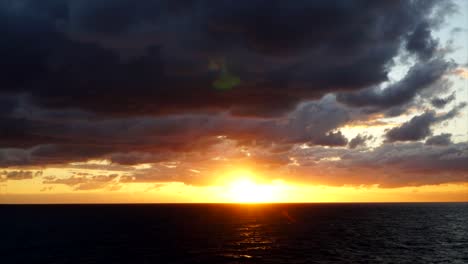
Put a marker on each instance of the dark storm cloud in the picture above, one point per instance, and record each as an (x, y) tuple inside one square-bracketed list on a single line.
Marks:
[(50, 154), (419, 127), (185, 85), (76, 53), (7, 105), (14, 156), (421, 42), (419, 77), (154, 139), (440, 140)]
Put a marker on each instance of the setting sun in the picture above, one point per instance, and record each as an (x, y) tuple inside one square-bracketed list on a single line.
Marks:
[(246, 187), (247, 191), (175, 131)]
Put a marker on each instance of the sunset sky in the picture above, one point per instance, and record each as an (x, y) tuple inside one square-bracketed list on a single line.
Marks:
[(124, 101)]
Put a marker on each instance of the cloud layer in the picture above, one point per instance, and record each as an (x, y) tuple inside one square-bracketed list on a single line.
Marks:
[(194, 88), (119, 58)]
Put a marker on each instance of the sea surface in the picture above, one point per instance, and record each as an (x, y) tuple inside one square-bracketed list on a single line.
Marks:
[(223, 233)]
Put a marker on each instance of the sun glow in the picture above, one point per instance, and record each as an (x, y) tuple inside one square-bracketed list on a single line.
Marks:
[(247, 191), (243, 188)]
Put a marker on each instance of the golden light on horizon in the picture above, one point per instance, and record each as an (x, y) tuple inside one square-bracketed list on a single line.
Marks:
[(247, 191), (245, 187), (237, 184)]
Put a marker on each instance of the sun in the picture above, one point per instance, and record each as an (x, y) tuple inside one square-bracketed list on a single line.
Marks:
[(247, 191), (243, 188)]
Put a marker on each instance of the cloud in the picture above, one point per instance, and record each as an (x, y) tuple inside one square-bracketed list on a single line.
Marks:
[(155, 187), (419, 77), (440, 140), (130, 158), (153, 57), (331, 139), (7, 105), (47, 189), (462, 72), (389, 165), (441, 102), (19, 175), (421, 42), (194, 89), (419, 164), (13, 156), (153, 139), (419, 127), (83, 183), (359, 140)]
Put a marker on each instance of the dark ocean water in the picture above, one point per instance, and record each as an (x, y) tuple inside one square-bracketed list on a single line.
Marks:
[(281, 233)]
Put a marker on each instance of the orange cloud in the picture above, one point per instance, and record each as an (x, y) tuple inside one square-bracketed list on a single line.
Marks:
[(462, 72)]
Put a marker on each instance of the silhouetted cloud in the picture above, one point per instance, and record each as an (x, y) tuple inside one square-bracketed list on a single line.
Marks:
[(389, 165), (440, 140), (419, 77), (19, 174), (331, 139), (193, 88), (421, 42), (419, 127), (153, 57), (441, 102), (12, 156), (359, 140), (152, 139)]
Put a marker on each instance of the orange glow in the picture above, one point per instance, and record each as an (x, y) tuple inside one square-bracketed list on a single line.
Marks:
[(233, 186), (462, 72), (242, 186), (247, 191)]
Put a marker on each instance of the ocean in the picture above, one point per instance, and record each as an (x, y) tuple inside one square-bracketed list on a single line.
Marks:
[(233, 233)]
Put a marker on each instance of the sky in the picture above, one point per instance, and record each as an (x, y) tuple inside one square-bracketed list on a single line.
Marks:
[(233, 101)]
